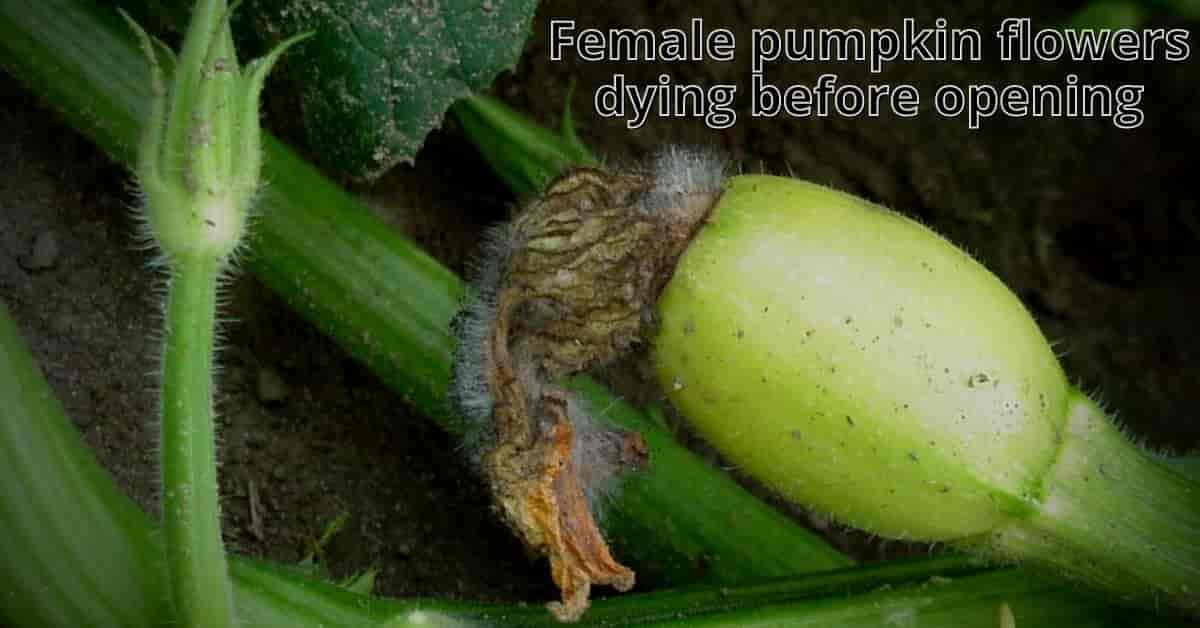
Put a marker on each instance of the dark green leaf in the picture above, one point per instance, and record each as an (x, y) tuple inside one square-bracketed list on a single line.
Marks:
[(379, 74)]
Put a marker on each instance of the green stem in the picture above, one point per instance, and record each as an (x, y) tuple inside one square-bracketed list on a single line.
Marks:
[(389, 304), (525, 155), (73, 544), (755, 541), (80, 553), (1188, 466), (190, 503), (1114, 516)]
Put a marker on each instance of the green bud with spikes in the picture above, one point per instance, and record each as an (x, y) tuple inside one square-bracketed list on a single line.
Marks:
[(198, 165), (200, 154)]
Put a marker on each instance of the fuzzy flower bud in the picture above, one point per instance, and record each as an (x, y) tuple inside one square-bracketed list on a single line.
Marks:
[(200, 154)]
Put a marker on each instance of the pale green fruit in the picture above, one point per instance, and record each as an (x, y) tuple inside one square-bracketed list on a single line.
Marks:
[(860, 364)]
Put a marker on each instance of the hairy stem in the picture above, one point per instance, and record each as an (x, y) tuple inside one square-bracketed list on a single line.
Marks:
[(190, 503), (1114, 516)]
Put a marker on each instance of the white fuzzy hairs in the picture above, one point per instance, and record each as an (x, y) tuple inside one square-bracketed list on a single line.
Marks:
[(469, 395), (680, 172)]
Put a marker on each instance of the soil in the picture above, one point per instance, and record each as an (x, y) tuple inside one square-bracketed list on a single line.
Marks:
[(1097, 230)]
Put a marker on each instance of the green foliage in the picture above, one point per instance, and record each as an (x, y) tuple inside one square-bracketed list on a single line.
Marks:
[(526, 156), (1109, 14), (379, 75), (1116, 14), (82, 554)]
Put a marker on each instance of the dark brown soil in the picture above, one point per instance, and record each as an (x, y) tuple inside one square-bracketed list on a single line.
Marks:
[(1097, 229)]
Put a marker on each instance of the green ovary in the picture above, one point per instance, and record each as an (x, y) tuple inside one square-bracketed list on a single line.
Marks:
[(860, 364)]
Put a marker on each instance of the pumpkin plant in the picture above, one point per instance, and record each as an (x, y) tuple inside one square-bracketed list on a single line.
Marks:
[(84, 555), (863, 366), (198, 167)]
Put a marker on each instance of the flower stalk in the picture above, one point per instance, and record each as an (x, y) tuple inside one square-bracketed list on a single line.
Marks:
[(198, 166), (1113, 516), (190, 503)]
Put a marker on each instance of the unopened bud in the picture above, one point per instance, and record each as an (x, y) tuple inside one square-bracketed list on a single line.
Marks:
[(200, 153)]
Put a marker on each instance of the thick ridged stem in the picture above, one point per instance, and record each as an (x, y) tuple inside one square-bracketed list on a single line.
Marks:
[(1114, 517)]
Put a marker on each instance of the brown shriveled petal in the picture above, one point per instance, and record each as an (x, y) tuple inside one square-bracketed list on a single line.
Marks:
[(582, 274), (575, 296), (536, 485)]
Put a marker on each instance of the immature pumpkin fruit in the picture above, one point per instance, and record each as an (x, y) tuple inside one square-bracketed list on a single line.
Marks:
[(862, 365), (861, 353), (844, 355)]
